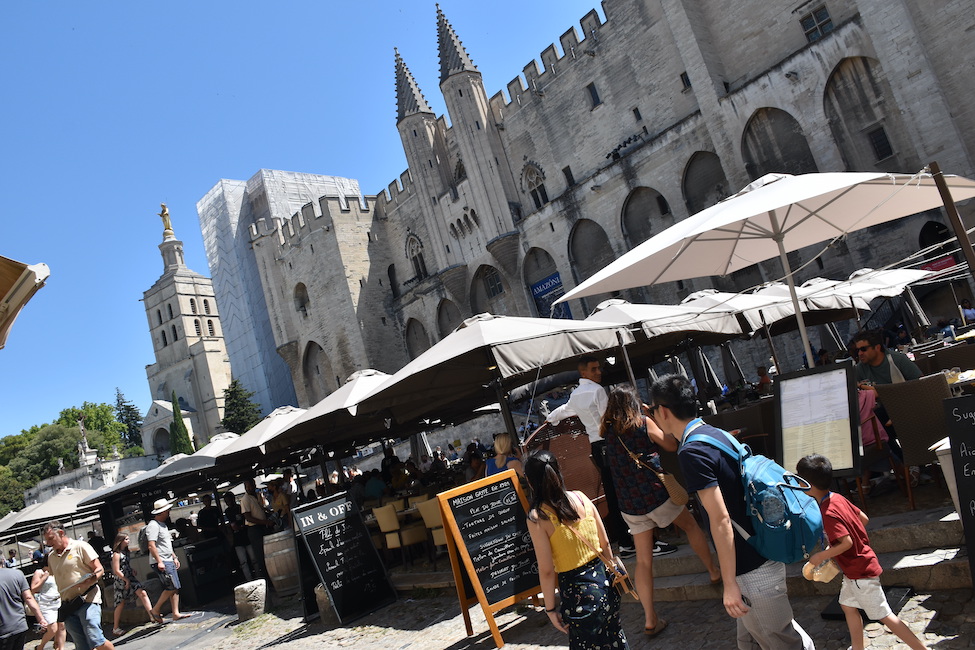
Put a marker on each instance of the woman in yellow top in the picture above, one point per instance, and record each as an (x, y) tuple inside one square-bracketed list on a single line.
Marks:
[(589, 610)]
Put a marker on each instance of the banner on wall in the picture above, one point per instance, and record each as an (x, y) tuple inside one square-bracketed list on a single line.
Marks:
[(547, 291)]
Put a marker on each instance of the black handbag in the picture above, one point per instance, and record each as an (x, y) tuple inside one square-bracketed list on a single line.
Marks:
[(69, 607)]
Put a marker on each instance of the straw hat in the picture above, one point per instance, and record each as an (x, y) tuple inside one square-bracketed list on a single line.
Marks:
[(161, 505)]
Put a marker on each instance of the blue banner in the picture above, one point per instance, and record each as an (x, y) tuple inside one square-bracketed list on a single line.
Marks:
[(547, 291)]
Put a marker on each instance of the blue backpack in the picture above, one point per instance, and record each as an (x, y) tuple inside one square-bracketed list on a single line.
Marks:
[(787, 522)]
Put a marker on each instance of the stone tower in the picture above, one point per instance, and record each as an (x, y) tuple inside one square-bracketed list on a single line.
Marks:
[(191, 358)]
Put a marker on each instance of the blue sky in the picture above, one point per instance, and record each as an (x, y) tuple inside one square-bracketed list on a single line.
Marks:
[(110, 108)]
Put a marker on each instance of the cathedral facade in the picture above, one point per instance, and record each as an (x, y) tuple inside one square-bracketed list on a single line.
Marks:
[(627, 126)]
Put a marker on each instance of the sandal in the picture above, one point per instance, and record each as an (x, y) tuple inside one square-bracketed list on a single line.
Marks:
[(656, 629), (156, 618), (118, 631)]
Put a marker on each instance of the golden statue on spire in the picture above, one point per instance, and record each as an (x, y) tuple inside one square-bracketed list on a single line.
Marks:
[(167, 224)]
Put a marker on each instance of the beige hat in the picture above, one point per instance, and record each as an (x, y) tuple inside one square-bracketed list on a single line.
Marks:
[(161, 505)]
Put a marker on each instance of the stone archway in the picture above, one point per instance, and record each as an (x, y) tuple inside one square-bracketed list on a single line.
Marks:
[(160, 442), (773, 141), (589, 251), (448, 317), (643, 208), (544, 284), (490, 292), (417, 341), (704, 182), (864, 120), (316, 373)]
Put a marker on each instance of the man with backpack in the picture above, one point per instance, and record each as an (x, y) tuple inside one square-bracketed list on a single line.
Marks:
[(754, 586)]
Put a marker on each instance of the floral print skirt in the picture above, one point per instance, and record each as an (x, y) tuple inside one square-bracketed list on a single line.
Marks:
[(122, 594), (590, 608)]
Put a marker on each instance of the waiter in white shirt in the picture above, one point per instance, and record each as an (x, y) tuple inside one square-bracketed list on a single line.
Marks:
[(588, 403)]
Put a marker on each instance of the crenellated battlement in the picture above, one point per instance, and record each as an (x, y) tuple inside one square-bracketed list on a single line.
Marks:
[(397, 191), (312, 216), (533, 80)]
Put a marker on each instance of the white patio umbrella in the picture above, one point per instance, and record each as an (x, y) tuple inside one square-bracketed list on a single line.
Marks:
[(775, 214), (868, 284)]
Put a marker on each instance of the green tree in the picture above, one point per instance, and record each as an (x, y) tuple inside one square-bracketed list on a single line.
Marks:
[(97, 417), (239, 412), (179, 437), (11, 491), (130, 418), (39, 458), (14, 445)]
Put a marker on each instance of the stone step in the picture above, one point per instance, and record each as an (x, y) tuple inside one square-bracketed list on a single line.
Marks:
[(924, 549), (925, 569)]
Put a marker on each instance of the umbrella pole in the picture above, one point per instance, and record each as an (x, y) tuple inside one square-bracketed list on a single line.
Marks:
[(960, 233), (509, 421), (626, 359), (771, 347), (800, 321), (919, 315), (951, 285)]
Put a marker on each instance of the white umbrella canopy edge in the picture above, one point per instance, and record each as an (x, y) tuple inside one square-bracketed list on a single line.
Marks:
[(914, 194), (771, 216), (486, 350)]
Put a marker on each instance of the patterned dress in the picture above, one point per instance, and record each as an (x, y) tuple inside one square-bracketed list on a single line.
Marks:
[(590, 605), (121, 593)]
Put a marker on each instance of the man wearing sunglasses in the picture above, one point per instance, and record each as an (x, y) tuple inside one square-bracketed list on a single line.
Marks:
[(879, 366)]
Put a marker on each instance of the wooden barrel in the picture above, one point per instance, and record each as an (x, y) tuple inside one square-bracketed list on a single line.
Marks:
[(282, 562)]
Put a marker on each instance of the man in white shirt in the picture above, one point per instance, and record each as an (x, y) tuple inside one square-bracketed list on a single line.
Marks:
[(588, 403)]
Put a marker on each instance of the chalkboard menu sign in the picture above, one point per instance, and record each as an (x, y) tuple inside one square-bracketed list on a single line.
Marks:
[(488, 530), (960, 418), (338, 545)]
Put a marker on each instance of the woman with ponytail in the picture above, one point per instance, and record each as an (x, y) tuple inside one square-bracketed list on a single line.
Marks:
[(567, 532), (633, 444)]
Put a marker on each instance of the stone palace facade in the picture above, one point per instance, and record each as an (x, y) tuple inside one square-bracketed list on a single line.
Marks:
[(626, 126)]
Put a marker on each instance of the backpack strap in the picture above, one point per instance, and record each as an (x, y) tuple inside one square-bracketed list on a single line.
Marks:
[(736, 451)]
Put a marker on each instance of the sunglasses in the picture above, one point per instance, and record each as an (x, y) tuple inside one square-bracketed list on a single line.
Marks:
[(653, 409), (863, 348)]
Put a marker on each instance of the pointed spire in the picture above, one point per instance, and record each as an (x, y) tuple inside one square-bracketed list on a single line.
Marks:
[(409, 99), (453, 56)]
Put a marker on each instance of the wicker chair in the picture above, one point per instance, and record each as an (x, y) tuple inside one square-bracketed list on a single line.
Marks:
[(917, 411), (433, 520), (398, 536), (961, 356)]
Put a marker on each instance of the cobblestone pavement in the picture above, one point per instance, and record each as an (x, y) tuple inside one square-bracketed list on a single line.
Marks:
[(944, 620)]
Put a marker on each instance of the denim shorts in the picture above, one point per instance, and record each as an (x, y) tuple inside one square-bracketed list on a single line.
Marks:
[(85, 626), (169, 578)]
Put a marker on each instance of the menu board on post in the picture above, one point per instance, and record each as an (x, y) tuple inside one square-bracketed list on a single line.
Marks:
[(489, 544), (960, 418), (817, 412), (337, 544)]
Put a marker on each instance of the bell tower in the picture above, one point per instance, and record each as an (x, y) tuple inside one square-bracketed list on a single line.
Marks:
[(187, 340)]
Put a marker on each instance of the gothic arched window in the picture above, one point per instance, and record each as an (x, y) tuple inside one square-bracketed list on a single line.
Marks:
[(414, 250), (535, 184)]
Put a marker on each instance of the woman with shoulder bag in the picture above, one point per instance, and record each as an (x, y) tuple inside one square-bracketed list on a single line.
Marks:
[(126, 584), (569, 540), (49, 600), (633, 444)]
